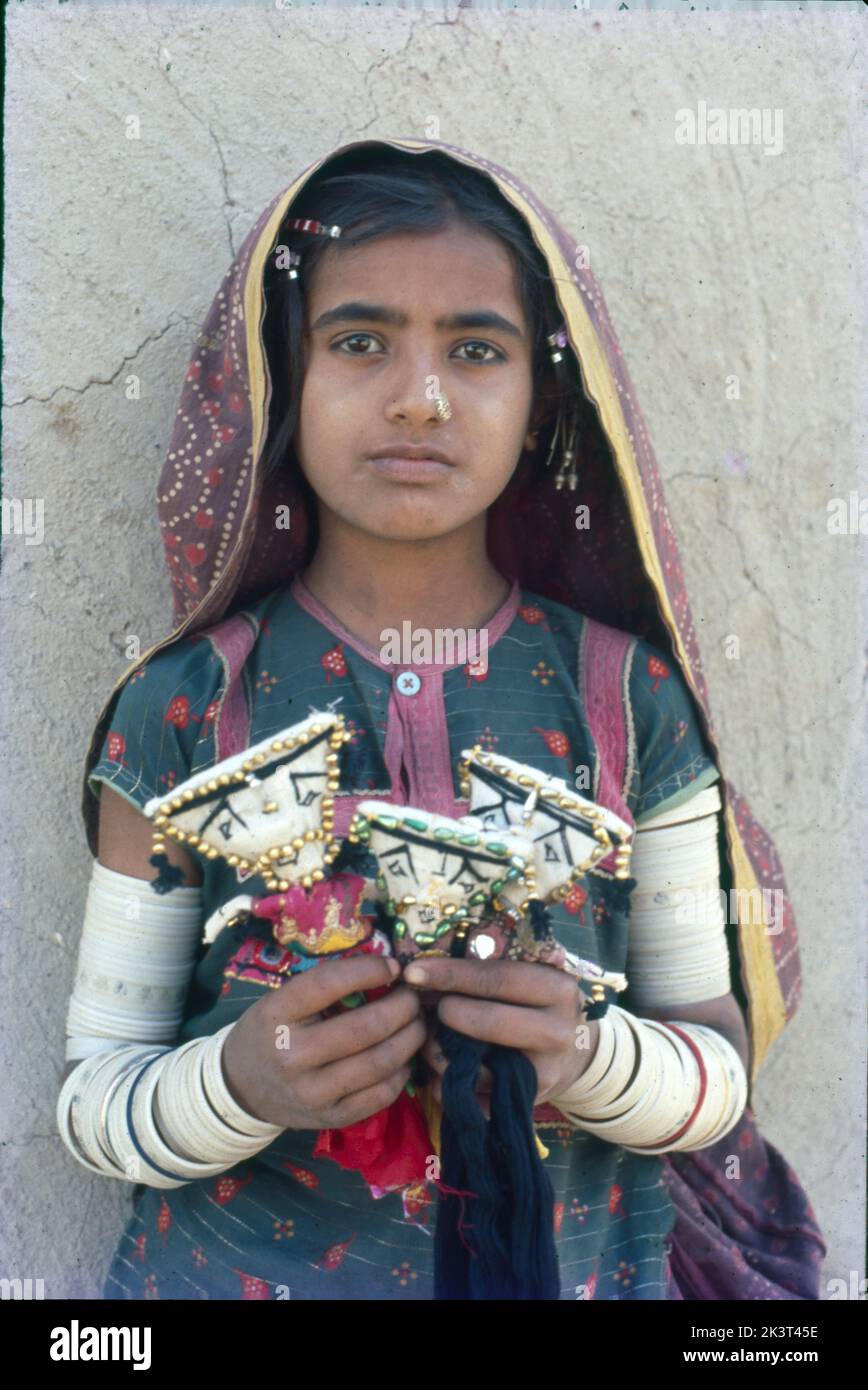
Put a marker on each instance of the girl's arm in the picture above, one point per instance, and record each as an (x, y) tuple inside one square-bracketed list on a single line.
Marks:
[(135, 1107), (125, 845), (136, 957)]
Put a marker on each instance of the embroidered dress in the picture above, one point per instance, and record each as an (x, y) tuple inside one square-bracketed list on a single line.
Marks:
[(286, 1224)]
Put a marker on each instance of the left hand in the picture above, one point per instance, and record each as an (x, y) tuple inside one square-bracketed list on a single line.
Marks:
[(535, 1008)]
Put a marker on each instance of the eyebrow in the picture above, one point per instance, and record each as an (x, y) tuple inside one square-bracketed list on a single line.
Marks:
[(355, 311)]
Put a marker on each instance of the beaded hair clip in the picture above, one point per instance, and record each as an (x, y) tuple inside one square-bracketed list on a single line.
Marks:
[(302, 224)]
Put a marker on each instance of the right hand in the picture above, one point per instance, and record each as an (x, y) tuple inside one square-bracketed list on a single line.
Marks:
[(337, 1070)]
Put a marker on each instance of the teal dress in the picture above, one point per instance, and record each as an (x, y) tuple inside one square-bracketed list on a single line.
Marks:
[(286, 1225)]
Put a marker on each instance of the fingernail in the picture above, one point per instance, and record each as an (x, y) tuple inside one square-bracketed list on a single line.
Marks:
[(415, 975)]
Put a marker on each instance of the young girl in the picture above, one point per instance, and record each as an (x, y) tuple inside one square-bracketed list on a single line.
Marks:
[(407, 416)]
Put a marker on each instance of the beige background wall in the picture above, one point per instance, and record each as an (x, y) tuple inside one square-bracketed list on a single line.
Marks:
[(715, 261)]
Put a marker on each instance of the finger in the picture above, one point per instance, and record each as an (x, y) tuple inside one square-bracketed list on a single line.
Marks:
[(517, 982), (356, 1030), (339, 1080), (368, 1102), (531, 1030), (312, 991)]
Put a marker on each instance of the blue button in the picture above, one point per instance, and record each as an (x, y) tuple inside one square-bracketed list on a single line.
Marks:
[(407, 683)]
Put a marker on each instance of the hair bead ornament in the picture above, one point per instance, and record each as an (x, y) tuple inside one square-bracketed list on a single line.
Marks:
[(306, 224)]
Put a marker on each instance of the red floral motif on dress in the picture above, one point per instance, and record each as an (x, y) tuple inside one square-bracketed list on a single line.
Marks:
[(204, 520), (559, 1216), (210, 407), (117, 746), (210, 715), (225, 434), (164, 1219), (302, 1175), (235, 402), (226, 1189), (214, 381), (194, 371), (556, 742), (140, 1242), (213, 476), (151, 1290), (252, 1287), (616, 1206), (178, 712), (333, 662), (416, 1201), (473, 672), (335, 1255), (659, 670), (592, 1286), (531, 614), (575, 901)]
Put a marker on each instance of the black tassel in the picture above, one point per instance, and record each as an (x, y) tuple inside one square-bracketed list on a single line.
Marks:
[(540, 919), (495, 1218), (354, 859), (169, 877)]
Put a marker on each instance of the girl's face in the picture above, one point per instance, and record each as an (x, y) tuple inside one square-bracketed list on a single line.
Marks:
[(388, 325)]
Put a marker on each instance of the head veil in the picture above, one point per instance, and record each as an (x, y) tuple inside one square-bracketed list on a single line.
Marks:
[(223, 550)]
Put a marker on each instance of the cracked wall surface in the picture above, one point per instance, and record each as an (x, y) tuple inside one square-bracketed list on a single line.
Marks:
[(717, 263)]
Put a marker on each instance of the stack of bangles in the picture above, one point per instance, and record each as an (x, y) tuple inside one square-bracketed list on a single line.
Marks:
[(160, 1116), (657, 1087), (136, 1107)]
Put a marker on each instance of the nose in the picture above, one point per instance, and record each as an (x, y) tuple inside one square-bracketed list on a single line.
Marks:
[(412, 397)]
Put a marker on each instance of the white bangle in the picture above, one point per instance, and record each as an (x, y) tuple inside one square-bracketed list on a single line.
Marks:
[(656, 1110), (677, 951), (115, 1136), (135, 958)]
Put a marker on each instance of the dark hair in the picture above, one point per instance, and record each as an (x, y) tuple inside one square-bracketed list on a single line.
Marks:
[(376, 193)]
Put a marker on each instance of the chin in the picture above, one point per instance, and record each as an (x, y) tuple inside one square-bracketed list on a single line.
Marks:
[(407, 528)]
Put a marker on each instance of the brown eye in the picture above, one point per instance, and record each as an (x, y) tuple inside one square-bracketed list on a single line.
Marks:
[(499, 356), (355, 337)]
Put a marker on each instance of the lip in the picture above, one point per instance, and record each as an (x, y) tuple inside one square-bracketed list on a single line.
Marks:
[(410, 463)]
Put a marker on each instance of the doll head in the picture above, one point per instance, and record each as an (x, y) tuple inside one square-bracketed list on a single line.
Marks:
[(423, 240)]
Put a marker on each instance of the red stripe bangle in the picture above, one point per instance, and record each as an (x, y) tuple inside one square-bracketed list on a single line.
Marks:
[(703, 1087)]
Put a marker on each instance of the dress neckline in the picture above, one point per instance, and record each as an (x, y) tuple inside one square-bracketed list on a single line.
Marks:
[(496, 626)]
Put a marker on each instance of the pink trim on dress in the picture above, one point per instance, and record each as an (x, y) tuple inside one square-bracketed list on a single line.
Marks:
[(496, 627), (417, 738)]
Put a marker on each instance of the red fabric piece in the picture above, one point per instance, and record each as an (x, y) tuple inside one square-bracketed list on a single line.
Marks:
[(390, 1149)]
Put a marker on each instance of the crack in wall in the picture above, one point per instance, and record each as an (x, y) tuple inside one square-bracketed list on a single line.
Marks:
[(108, 381)]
